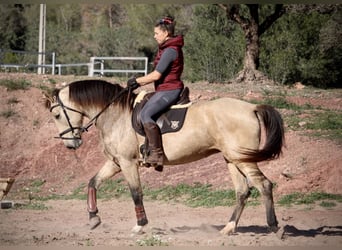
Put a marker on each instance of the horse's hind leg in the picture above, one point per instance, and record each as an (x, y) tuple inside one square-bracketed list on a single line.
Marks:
[(108, 170), (242, 193), (257, 179)]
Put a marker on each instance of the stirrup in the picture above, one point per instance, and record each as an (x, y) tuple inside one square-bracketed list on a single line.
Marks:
[(145, 164)]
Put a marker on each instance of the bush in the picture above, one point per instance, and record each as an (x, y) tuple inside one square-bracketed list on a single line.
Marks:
[(214, 47)]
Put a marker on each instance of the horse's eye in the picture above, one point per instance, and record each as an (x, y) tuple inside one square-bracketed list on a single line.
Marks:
[(57, 116)]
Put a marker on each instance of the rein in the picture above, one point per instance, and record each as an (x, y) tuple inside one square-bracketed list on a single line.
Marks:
[(82, 128)]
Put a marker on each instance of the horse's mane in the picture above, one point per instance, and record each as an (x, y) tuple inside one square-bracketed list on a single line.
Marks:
[(100, 93)]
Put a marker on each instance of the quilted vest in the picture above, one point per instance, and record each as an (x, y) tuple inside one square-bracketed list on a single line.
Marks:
[(170, 79)]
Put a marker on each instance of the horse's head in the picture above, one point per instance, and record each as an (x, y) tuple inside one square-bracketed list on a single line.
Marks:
[(66, 116)]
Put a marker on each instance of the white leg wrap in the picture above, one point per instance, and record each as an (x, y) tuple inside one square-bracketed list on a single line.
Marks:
[(229, 228)]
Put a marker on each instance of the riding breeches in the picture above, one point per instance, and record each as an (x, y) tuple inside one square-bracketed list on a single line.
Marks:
[(159, 102)]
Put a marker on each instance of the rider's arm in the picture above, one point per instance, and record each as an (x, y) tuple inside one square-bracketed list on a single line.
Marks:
[(151, 77), (168, 56)]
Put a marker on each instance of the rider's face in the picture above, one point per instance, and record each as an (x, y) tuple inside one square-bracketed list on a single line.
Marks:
[(160, 35)]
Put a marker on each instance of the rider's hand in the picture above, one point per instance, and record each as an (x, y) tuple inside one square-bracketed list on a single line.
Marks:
[(133, 84)]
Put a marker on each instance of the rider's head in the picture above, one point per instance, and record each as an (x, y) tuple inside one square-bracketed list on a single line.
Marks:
[(164, 29)]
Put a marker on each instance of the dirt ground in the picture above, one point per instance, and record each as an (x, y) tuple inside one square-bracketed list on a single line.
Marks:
[(65, 224), (29, 152)]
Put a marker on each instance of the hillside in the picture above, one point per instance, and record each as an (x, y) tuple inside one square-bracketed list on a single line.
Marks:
[(29, 152)]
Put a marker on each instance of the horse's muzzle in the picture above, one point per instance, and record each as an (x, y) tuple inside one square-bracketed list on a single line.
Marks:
[(73, 144)]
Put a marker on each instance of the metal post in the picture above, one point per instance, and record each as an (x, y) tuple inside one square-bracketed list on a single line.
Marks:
[(41, 52), (91, 66), (146, 65), (102, 67), (53, 63)]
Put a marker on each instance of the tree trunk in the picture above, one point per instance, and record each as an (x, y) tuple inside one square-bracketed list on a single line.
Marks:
[(252, 30), (251, 60)]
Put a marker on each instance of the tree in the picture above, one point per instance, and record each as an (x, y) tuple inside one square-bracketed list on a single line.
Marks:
[(213, 46), (304, 48), (13, 26), (252, 29)]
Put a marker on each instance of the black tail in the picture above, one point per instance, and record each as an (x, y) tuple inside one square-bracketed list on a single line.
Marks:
[(274, 129)]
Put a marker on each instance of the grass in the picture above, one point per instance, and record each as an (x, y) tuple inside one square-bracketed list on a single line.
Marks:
[(314, 121), (310, 198), (12, 85), (323, 124), (8, 113), (202, 195), (36, 205), (153, 240), (12, 100), (52, 81), (197, 195)]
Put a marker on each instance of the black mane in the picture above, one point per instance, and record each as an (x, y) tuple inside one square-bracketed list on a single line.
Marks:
[(100, 93)]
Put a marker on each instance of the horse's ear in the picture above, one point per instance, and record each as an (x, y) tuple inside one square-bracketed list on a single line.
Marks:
[(48, 98)]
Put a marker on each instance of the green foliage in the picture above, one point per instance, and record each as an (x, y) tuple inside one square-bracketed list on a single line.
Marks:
[(142, 18), (7, 113), (214, 47), (327, 204), (12, 85), (292, 50), (78, 193), (31, 206), (306, 199), (198, 195), (37, 183), (13, 26), (113, 188), (154, 240), (315, 121), (299, 46), (12, 100), (325, 121)]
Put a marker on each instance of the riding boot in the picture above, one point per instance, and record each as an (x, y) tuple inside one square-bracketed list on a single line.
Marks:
[(156, 154)]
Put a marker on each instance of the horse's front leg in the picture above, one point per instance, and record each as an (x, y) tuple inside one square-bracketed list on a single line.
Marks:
[(132, 176), (108, 170)]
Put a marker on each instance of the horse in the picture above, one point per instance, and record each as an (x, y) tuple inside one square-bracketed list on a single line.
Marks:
[(227, 125)]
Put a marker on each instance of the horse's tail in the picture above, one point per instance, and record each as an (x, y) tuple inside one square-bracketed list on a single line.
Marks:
[(274, 128)]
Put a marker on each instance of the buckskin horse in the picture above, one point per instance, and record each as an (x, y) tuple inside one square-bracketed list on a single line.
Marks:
[(233, 127)]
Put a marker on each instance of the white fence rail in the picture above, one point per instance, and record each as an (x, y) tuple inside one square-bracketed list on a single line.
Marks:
[(102, 70), (60, 66), (24, 59), (97, 65)]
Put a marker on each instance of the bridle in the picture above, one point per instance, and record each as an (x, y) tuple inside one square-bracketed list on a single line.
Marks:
[(77, 136)]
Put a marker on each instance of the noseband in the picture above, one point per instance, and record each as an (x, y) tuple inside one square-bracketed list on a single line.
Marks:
[(82, 128), (71, 128)]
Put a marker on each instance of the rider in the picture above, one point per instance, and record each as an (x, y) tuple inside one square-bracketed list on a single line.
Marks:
[(168, 67)]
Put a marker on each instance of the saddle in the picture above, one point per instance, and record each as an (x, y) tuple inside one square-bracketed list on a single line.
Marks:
[(171, 120)]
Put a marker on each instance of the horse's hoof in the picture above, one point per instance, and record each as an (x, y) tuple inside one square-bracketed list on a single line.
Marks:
[(229, 228), (274, 229), (137, 230), (281, 233), (159, 168), (94, 222), (144, 164)]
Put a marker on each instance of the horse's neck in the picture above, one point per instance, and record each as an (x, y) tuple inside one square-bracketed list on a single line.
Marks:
[(114, 119), (91, 112)]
